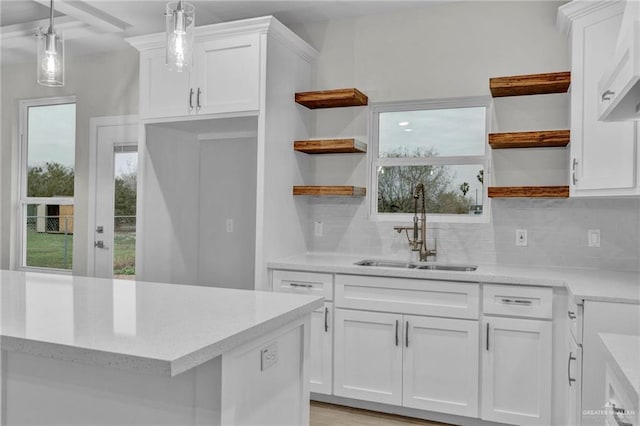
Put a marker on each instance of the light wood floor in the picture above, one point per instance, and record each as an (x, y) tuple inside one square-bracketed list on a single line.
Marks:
[(323, 414)]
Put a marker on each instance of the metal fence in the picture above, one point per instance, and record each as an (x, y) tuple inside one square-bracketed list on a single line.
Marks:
[(49, 243)]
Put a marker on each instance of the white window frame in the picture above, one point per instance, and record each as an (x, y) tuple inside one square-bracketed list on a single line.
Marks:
[(21, 187), (374, 161)]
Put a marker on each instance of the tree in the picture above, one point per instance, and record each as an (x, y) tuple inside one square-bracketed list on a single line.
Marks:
[(125, 194), (396, 185), (50, 180), (464, 187)]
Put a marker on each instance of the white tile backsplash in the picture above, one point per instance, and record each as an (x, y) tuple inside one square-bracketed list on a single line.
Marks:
[(557, 233)]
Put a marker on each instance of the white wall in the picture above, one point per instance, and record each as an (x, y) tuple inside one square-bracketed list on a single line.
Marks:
[(104, 84), (451, 50), (227, 191)]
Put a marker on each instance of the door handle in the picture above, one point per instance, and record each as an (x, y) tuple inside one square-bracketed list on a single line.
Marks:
[(571, 314), (574, 166), (571, 358), (198, 106), (99, 244), (191, 99), (616, 415)]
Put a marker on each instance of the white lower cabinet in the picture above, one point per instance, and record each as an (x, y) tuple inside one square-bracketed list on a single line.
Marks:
[(440, 369), (516, 371), (418, 362), (321, 369), (322, 324), (368, 356)]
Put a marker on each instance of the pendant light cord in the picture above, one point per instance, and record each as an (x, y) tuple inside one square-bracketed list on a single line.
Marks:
[(51, 18)]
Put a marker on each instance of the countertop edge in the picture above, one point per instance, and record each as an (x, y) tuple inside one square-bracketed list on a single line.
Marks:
[(210, 352)]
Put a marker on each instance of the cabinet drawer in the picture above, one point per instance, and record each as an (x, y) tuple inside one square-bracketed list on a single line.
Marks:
[(314, 283), (408, 296), (530, 302)]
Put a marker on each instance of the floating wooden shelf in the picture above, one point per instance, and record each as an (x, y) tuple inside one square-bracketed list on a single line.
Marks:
[(332, 98), (540, 139), (532, 84), (529, 192), (330, 146), (329, 191)]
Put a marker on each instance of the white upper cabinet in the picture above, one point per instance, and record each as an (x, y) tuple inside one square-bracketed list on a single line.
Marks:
[(619, 87), (225, 77), (603, 154), (163, 93)]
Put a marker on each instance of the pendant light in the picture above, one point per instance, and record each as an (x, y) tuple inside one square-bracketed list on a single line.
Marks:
[(50, 56), (180, 27)]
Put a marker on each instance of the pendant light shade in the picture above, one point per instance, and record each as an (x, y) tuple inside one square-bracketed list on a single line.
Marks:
[(50, 61), (180, 27)]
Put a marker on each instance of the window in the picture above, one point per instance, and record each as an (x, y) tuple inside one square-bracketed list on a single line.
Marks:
[(442, 144), (47, 166)]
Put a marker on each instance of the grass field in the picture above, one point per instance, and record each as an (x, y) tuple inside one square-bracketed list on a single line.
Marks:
[(48, 251)]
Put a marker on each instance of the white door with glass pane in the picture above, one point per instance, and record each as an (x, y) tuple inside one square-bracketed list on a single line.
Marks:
[(112, 197)]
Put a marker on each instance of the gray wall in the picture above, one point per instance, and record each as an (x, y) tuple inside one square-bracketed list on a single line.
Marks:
[(452, 50), (104, 84)]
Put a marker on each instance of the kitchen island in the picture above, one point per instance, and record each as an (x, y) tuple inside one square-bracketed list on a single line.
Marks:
[(79, 351)]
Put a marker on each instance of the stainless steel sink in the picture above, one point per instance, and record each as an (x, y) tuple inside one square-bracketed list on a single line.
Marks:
[(386, 264), (444, 267), (408, 265)]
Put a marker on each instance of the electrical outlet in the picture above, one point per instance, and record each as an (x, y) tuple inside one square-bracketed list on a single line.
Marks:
[(268, 356), (229, 225), (593, 238), (521, 237), (318, 229)]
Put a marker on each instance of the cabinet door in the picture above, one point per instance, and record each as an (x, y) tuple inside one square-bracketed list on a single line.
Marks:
[(441, 365), (368, 356), (602, 153), (516, 371), (228, 74), (320, 372), (163, 93)]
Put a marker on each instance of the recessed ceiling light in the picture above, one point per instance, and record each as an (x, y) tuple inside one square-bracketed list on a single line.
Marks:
[(403, 123), (408, 130)]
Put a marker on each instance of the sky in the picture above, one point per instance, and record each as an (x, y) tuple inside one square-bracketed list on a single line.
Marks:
[(52, 138), (52, 135), (448, 132)]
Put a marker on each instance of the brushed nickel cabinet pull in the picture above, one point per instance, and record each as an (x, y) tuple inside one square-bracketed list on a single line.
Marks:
[(198, 106), (571, 358), (302, 285), (606, 96), (571, 314), (191, 99), (487, 336), (406, 335), (397, 333), (326, 319)]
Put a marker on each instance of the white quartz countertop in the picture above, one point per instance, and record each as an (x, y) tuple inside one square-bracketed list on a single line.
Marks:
[(623, 352), (582, 284), (154, 328)]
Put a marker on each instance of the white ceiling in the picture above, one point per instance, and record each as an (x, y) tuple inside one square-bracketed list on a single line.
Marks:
[(91, 26)]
